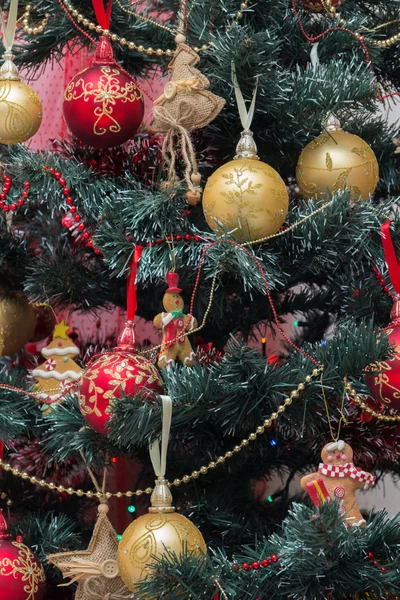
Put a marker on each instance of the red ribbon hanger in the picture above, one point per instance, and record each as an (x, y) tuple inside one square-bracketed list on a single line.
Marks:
[(131, 294), (392, 261), (103, 15)]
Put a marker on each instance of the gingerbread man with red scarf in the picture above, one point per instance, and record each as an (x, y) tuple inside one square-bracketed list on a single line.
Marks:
[(174, 325), (337, 477)]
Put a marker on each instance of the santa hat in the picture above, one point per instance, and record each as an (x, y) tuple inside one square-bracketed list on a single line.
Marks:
[(173, 281)]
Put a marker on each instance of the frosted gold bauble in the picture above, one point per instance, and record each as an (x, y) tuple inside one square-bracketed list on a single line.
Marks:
[(336, 160), (17, 323), (247, 195), (154, 534), (20, 112)]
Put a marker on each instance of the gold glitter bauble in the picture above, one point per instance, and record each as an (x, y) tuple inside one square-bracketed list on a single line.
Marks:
[(17, 323), (336, 160), (247, 195), (20, 107), (154, 534)]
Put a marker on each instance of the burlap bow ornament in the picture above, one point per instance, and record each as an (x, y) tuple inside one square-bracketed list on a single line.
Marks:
[(185, 105)]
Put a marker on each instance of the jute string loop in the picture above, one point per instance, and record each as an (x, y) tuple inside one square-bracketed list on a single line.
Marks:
[(175, 127)]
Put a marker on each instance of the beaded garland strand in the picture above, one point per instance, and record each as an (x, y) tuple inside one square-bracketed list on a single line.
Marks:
[(130, 44), (294, 394)]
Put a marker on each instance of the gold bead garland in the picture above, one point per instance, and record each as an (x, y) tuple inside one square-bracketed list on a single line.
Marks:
[(360, 402), (33, 30), (389, 41), (186, 478), (131, 45)]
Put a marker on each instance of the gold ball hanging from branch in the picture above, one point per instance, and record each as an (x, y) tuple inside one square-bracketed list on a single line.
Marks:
[(20, 107), (17, 322), (245, 197), (150, 536), (336, 160)]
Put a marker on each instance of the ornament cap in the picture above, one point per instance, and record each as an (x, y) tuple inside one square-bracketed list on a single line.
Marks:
[(104, 52), (395, 312), (8, 70), (246, 147), (161, 498), (332, 123), (3, 527), (127, 338)]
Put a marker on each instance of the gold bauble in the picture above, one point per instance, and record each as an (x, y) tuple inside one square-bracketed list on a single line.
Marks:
[(17, 323), (154, 534), (20, 107), (336, 160), (247, 195)]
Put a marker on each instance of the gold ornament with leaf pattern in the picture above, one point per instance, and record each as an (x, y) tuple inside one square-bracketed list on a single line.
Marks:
[(245, 198), (336, 160)]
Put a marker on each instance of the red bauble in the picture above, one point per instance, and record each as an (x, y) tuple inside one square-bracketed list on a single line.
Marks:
[(385, 386), (103, 106), (21, 573), (112, 375), (320, 6)]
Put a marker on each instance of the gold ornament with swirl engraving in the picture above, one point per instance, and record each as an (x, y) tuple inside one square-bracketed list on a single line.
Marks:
[(20, 111), (152, 535)]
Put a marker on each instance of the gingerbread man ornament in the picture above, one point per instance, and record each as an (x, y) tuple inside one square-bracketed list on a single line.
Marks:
[(337, 477), (174, 324)]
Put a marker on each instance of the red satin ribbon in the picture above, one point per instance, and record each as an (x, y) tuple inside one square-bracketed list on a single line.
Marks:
[(392, 261), (103, 15), (131, 296)]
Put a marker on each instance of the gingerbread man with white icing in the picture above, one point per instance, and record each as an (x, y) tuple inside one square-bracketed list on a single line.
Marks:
[(174, 325), (337, 477)]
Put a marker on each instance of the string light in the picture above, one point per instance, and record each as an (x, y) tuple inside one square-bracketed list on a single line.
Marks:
[(132, 509)]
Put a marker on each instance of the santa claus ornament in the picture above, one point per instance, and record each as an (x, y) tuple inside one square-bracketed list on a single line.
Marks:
[(21, 573), (103, 106), (122, 372), (383, 379), (337, 477), (175, 326)]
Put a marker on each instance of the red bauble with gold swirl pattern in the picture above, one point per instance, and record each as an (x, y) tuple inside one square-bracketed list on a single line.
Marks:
[(385, 384), (320, 6), (111, 375), (103, 107), (21, 573)]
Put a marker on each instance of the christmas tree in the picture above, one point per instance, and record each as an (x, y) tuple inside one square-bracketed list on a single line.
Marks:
[(57, 374), (278, 356)]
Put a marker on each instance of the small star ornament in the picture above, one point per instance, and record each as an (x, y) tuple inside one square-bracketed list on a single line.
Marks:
[(95, 570)]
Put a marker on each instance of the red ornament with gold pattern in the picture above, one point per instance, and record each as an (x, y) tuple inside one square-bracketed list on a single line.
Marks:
[(111, 375), (21, 573), (384, 384), (321, 6), (103, 107), (122, 372), (384, 379)]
